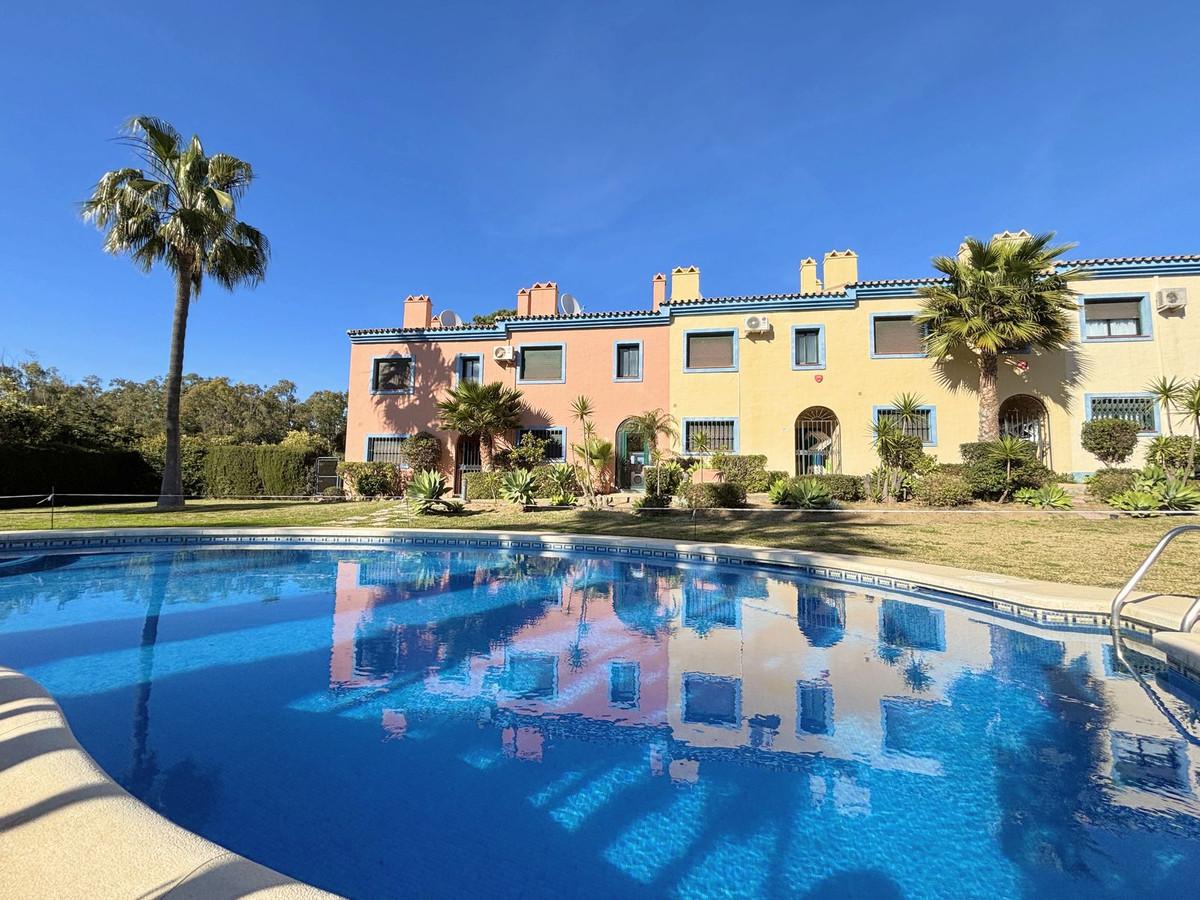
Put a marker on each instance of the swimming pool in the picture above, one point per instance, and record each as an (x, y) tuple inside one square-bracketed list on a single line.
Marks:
[(482, 721)]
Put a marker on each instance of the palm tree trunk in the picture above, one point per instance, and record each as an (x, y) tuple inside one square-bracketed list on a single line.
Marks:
[(989, 398), (170, 495), (485, 452)]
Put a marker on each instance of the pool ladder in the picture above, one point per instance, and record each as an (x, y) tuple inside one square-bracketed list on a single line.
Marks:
[(1193, 613)]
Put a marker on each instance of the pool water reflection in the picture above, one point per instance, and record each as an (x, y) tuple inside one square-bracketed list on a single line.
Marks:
[(492, 723)]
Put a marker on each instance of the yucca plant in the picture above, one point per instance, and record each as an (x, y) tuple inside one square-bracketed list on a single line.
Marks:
[(519, 486), (1189, 405), (1169, 393), (1010, 450)]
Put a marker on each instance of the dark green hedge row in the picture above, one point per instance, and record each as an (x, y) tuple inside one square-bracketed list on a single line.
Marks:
[(251, 470), (73, 470)]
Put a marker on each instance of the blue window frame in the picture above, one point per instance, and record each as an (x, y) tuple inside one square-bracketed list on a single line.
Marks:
[(385, 448), (1114, 318), (531, 676), (627, 361), (814, 707), (710, 350), (556, 449), (891, 339), (392, 375), (624, 683), (1138, 407), (712, 700), (468, 367), (542, 364), (923, 426), (722, 434), (808, 347)]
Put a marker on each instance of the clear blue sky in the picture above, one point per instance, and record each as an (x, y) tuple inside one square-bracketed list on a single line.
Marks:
[(465, 150)]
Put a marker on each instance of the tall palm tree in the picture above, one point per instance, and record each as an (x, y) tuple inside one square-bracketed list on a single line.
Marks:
[(1168, 393), (998, 297), (180, 210), (483, 411)]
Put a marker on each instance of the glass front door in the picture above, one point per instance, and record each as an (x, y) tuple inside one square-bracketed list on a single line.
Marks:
[(631, 459)]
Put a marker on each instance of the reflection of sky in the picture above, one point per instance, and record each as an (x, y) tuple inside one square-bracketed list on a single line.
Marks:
[(613, 727)]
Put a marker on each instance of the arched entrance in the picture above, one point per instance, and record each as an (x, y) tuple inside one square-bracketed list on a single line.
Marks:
[(818, 442), (1024, 416), (631, 457), (467, 458)]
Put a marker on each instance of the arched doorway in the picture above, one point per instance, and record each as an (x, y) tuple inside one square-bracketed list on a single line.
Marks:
[(818, 442), (1024, 416), (467, 458), (631, 457)]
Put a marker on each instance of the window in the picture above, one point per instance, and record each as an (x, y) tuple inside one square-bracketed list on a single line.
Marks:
[(808, 347), (624, 680), (627, 361), (922, 424), (897, 335), (1115, 318), (1139, 408), (911, 625), (470, 368), (814, 707), (392, 375), (721, 435), (710, 351), (556, 438), (531, 676), (386, 448), (542, 364), (712, 700)]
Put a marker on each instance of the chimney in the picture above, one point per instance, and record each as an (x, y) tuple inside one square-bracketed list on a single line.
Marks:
[(417, 311), (543, 299), (685, 283), (523, 302), (841, 269), (809, 282), (658, 290)]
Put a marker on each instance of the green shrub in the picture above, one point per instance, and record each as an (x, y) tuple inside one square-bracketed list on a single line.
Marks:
[(1170, 451), (1107, 483), (77, 470), (554, 480), (484, 485), (652, 501), (749, 471), (528, 453), (842, 487), (192, 451), (942, 489), (1111, 441), (673, 477), (372, 479), (774, 475), (422, 451), (232, 471), (1135, 501), (721, 494), (282, 470), (986, 475), (519, 486)]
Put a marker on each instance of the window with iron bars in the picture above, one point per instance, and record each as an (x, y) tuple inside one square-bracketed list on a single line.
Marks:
[(920, 424), (1135, 409), (721, 434), (388, 449)]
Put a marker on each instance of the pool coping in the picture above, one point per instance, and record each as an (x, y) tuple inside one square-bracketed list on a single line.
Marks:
[(1042, 602), (68, 830)]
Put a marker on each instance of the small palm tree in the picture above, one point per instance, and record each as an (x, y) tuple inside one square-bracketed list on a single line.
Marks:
[(180, 210), (655, 423), (701, 447), (998, 297), (1010, 450), (1189, 405), (483, 411), (1168, 393), (907, 411), (587, 451)]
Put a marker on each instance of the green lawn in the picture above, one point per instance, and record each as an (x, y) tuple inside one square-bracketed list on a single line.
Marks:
[(1062, 547)]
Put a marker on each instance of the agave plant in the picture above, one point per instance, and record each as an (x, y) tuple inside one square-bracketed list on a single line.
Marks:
[(519, 486), (1150, 480), (810, 493), (562, 478), (426, 490), (778, 492), (1050, 496), (1177, 493), (1137, 502)]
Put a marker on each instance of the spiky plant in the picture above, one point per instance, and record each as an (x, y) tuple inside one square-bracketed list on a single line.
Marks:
[(1168, 393)]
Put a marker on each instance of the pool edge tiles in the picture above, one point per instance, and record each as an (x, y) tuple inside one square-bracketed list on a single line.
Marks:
[(1043, 603)]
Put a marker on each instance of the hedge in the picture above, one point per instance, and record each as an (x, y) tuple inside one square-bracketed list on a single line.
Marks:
[(247, 470), (373, 479), (986, 476), (714, 494), (749, 471), (842, 487), (192, 452), (73, 470)]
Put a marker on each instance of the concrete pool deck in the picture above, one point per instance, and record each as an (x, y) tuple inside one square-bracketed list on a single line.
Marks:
[(67, 830)]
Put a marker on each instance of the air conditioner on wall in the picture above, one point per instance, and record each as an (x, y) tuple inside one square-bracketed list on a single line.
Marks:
[(757, 324), (504, 353), (1170, 299)]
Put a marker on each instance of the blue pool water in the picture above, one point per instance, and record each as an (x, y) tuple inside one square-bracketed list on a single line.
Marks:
[(487, 723)]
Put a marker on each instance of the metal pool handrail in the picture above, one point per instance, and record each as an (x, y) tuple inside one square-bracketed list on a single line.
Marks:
[(1122, 597)]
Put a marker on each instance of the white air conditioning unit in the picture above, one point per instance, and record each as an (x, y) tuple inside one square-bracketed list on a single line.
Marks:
[(757, 324), (1170, 299), (504, 353)]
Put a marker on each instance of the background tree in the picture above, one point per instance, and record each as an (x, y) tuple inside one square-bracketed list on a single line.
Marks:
[(324, 413), (484, 411), (179, 211), (490, 318), (1000, 296)]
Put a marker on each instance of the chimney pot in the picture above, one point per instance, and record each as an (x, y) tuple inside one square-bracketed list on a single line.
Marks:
[(658, 290), (841, 269), (685, 283), (543, 299), (418, 311), (809, 282)]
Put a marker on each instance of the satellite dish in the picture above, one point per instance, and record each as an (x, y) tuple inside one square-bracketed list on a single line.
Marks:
[(449, 318), (569, 305)]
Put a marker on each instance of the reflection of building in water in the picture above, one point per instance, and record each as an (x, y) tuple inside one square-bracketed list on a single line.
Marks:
[(706, 664)]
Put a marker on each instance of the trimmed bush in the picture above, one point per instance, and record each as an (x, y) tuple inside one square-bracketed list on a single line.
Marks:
[(423, 451), (842, 487), (1112, 441), (748, 471), (75, 470), (719, 494), (549, 483), (247, 470), (1107, 483), (484, 485), (373, 479), (673, 478), (283, 471), (652, 501), (986, 476), (942, 489)]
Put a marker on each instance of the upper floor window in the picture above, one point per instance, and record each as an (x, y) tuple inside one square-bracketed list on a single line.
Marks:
[(720, 435), (470, 368), (920, 423), (897, 335), (808, 347), (386, 448), (392, 375), (1115, 318), (542, 363), (1140, 408), (710, 351), (627, 362)]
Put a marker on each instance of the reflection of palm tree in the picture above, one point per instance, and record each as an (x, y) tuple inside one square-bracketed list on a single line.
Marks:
[(145, 767), (916, 675)]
